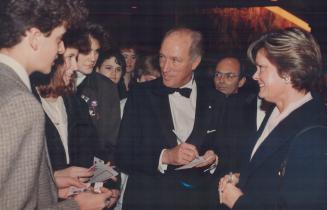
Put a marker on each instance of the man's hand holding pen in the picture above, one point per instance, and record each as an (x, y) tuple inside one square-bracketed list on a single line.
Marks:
[(181, 154), (184, 153)]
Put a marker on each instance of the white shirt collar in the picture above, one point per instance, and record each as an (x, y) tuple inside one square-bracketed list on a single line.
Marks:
[(189, 84), (17, 68), (80, 78)]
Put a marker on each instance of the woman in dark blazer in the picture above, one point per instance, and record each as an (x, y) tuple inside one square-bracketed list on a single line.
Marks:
[(287, 162)]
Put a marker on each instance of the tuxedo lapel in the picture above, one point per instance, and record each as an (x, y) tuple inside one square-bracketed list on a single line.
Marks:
[(202, 117), (161, 101), (166, 121)]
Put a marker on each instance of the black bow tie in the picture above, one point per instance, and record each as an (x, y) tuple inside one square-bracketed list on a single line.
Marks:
[(186, 92)]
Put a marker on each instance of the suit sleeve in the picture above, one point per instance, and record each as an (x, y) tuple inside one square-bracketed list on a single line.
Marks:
[(137, 152), (64, 205), (109, 122), (21, 145)]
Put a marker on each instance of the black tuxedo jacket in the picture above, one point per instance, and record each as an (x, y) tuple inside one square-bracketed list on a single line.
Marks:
[(146, 130), (101, 95), (289, 169)]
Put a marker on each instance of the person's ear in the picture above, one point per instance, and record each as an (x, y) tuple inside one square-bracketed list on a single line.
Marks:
[(34, 35), (196, 62), (241, 82)]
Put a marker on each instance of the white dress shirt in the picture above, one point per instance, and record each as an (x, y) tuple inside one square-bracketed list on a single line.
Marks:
[(56, 111), (79, 78), (183, 115)]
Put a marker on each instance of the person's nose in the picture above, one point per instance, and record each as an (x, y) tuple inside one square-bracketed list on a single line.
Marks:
[(255, 76), (164, 66), (221, 79), (61, 48), (93, 56), (114, 72), (129, 61), (74, 66)]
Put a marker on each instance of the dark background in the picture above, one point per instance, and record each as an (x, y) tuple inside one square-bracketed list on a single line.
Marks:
[(145, 21)]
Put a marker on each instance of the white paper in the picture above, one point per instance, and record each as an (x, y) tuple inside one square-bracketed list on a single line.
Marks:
[(195, 162)]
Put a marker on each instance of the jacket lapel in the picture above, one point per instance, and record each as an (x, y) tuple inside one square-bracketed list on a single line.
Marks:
[(203, 114), (282, 134), (161, 101)]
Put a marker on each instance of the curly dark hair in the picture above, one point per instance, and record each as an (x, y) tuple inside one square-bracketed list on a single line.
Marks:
[(17, 16), (120, 60), (83, 33)]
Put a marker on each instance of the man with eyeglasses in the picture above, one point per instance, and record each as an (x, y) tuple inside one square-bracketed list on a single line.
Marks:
[(234, 122), (228, 75), (239, 117)]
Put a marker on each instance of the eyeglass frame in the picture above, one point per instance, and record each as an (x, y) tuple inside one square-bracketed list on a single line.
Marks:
[(228, 75)]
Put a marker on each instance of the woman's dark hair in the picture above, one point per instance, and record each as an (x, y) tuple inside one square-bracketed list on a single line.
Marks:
[(82, 35), (53, 85), (18, 16), (112, 53), (294, 52)]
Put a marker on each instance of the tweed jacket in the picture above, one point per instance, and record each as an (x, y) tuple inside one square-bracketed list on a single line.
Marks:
[(26, 180)]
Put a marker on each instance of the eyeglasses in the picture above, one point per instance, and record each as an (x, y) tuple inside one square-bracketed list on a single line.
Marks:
[(228, 76)]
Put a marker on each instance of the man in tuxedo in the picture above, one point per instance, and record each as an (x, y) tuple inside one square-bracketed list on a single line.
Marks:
[(167, 123), (30, 40)]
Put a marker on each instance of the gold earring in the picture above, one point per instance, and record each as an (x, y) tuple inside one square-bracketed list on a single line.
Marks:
[(287, 79)]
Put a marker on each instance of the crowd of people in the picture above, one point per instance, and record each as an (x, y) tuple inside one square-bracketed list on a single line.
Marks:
[(177, 140)]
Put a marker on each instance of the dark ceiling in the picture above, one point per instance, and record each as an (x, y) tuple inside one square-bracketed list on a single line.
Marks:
[(146, 20)]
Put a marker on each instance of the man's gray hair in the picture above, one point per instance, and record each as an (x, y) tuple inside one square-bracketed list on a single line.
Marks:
[(196, 49)]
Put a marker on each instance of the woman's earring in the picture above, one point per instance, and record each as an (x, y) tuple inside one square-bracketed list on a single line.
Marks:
[(286, 79)]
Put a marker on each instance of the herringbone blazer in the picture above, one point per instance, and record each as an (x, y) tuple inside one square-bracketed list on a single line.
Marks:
[(26, 180)]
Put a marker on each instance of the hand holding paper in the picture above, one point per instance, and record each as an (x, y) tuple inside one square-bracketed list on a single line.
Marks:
[(209, 158), (198, 160), (181, 154), (102, 172)]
